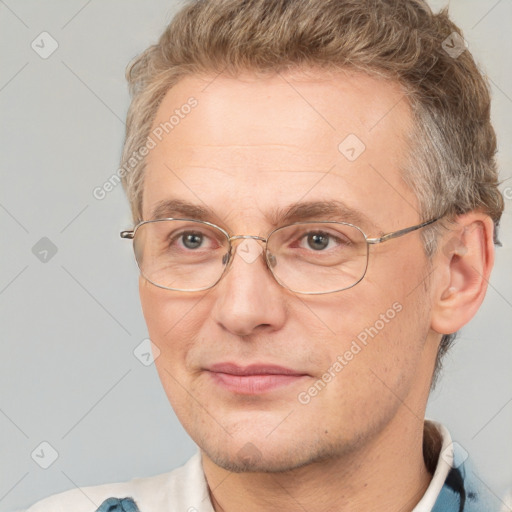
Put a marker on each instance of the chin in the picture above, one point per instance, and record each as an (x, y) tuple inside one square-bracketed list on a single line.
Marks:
[(266, 457), (250, 459)]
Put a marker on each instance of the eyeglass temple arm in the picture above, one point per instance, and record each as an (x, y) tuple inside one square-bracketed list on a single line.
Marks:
[(400, 232), (127, 234)]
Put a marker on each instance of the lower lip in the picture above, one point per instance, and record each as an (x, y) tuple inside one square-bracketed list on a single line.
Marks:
[(253, 384)]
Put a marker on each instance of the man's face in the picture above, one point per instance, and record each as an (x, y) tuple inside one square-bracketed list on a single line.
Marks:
[(250, 149)]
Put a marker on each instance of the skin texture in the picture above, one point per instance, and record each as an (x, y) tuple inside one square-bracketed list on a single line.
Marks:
[(251, 146)]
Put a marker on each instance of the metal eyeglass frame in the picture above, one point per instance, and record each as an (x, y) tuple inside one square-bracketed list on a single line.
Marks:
[(130, 234)]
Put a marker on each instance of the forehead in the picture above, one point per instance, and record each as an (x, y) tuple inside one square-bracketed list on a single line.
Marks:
[(251, 143)]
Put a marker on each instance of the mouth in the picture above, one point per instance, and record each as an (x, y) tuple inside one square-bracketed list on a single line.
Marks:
[(254, 379)]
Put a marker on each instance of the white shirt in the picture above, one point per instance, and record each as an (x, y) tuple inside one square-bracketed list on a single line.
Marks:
[(185, 489)]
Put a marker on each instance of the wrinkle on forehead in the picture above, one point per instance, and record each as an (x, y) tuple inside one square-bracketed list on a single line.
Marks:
[(270, 142)]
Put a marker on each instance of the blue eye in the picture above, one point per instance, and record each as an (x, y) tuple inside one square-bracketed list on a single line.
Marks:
[(320, 240), (192, 240), (317, 241)]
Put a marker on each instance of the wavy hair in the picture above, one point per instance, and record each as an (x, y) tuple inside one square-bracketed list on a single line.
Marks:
[(451, 162)]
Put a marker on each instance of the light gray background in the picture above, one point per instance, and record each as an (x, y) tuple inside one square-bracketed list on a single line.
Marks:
[(68, 375)]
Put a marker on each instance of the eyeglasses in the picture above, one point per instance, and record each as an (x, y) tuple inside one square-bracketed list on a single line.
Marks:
[(310, 258)]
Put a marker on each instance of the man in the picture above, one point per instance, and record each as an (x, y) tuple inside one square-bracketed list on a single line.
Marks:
[(315, 201)]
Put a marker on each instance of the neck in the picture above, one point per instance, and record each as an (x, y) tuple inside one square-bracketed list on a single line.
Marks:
[(389, 473)]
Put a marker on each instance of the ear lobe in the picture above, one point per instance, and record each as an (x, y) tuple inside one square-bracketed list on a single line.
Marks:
[(464, 263)]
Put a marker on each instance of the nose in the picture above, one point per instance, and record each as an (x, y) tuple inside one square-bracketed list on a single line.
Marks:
[(248, 299)]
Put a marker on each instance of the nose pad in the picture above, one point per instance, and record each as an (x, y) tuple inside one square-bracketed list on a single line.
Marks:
[(225, 258), (271, 259)]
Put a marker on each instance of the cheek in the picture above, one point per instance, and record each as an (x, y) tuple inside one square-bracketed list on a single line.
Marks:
[(172, 321), (156, 310), (380, 328), (172, 324)]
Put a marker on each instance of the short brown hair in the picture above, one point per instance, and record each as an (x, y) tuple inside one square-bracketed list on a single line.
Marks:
[(451, 165)]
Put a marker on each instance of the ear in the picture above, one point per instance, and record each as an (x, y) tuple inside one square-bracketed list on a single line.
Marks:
[(462, 266)]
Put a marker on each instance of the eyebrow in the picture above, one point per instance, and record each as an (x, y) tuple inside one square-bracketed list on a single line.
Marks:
[(301, 211), (176, 208), (321, 210)]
